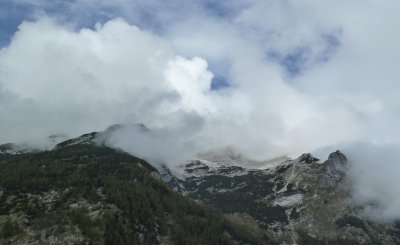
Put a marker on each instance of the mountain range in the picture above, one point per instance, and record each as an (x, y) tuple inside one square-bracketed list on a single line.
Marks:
[(84, 192)]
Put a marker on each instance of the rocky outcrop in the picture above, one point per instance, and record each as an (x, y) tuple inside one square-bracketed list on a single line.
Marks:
[(335, 169), (308, 158)]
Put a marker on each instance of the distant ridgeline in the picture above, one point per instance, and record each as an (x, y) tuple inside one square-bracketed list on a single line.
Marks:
[(83, 192)]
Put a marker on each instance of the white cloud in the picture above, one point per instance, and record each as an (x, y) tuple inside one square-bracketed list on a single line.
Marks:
[(374, 171), (60, 77), (192, 81), (87, 80)]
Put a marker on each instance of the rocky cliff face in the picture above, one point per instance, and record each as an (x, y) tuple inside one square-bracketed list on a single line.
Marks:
[(300, 201)]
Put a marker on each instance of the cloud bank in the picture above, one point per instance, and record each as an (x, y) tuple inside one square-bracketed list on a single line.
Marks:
[(58, 80), (267, 78), (374, 171)]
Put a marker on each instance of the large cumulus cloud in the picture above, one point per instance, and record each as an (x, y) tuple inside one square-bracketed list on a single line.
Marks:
[(298, 75)]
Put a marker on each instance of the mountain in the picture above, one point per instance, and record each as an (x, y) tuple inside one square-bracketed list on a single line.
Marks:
[(82, 192), (300, 201)]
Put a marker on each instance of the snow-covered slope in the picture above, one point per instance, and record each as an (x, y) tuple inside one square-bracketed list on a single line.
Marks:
[(228, 157)]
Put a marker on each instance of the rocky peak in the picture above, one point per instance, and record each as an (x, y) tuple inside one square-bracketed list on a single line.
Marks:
[(337, 157), (308, 158), (335, 168)]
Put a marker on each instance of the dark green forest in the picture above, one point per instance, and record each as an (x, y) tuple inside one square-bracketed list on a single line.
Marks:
[(105, 197)]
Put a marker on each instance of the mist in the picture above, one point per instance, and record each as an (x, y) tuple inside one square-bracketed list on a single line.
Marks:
[(265, 78), (374, 173)]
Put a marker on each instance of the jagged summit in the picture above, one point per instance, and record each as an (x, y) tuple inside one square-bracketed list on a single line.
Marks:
[(308, 158), (335, 169), (337, 157)]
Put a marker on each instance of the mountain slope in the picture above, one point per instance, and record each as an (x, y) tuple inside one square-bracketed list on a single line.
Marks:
[(84, 193), (298, 201)]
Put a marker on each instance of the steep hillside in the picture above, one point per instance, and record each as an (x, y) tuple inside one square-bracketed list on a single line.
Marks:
[(298, 201), (83, 193)]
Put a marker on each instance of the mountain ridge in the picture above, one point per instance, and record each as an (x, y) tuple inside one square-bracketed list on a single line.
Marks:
[(296, 201), (300, 201), (82, 192)]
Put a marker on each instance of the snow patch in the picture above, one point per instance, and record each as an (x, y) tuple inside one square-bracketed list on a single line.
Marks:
[(86, 139), (287, 201)]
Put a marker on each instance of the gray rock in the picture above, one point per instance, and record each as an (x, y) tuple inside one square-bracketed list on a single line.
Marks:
[(335, 169)]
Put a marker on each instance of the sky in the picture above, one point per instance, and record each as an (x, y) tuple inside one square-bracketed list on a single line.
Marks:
[(265, 77)]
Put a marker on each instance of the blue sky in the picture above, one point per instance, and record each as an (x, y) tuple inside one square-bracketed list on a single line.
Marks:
[(11, 16), (160, 17)]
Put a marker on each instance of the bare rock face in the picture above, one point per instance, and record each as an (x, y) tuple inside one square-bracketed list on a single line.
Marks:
[(308, 158), (335, 169), (337, 162)]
